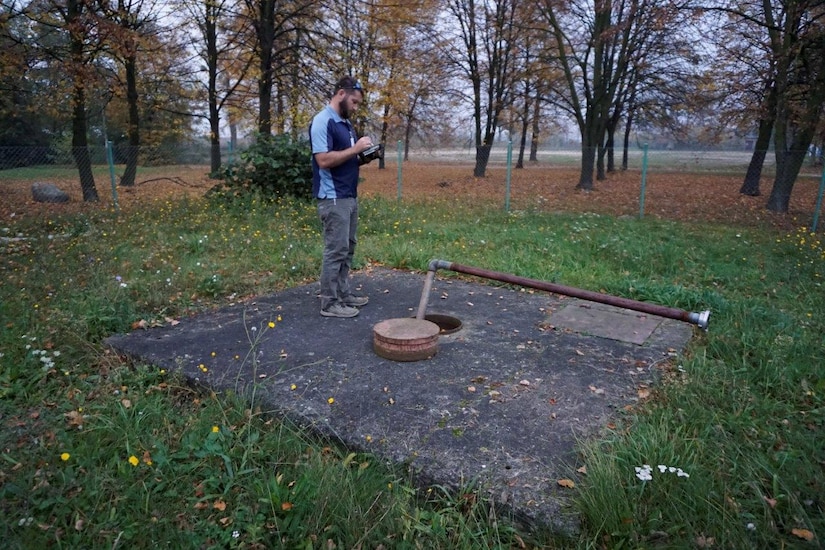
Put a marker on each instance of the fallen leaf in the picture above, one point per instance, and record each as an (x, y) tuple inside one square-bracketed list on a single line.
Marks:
[(566, 483), (219, 505), (127, 404), (74, 418), (803, 534), (705, 542), (286, 506), (597, 391), (524, 383), (200, 505), (644, 393), (471, 389), (225, 521), (140, 324), (582, 470), (771, 502), (579, 352)]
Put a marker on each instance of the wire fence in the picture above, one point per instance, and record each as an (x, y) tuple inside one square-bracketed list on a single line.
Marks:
[(28, 165), (692, 160), (50, 157)]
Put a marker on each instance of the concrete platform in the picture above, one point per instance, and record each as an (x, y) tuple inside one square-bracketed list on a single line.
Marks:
[(501, 404)]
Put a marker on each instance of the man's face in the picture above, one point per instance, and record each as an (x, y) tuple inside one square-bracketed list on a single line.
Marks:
[(349, 100)]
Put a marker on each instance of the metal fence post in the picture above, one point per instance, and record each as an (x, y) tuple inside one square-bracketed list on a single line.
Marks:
[(110, 158), (509, 175), (644, 183), (399, 169), (818, 201)]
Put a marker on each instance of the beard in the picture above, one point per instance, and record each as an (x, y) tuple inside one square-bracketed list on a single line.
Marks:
[(345, 112)]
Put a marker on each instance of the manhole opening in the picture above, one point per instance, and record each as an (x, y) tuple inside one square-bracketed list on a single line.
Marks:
[(447, 324)]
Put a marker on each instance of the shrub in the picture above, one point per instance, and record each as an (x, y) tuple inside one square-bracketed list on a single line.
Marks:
[(274, 166)]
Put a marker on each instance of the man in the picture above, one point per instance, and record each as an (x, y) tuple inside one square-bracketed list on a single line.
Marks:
[(335, 169)]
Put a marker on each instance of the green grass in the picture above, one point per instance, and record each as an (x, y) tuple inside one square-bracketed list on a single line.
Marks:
[(96, 452)]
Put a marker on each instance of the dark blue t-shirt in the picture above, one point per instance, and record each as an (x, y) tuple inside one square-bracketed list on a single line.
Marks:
[(330, 132)]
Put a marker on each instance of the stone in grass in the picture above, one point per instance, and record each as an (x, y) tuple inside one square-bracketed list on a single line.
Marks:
[(48, 192)]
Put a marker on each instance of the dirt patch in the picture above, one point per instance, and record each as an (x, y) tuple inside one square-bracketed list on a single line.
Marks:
[(675, 196)]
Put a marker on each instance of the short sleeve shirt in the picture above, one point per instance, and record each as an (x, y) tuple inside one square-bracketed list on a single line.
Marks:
[(330, 132)]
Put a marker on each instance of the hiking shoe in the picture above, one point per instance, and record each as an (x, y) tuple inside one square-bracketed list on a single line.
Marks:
[(339, 310), (356, 301)]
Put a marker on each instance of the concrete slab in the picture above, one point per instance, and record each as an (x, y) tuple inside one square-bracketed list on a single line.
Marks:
[(501, 404), (607, 321)]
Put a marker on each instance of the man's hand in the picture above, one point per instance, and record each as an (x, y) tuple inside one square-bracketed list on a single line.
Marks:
[(331, 159)]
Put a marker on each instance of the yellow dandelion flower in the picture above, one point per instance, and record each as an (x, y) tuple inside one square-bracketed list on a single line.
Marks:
[(133, 460), (65, 456), (331, 400), (293, 387), (279, 319), (215, 429), (271, 324)]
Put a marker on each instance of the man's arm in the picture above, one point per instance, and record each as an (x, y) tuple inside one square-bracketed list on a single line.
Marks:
[(331, 159)]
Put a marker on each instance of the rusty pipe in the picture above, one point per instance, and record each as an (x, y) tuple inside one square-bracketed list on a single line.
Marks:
[(698, 319)]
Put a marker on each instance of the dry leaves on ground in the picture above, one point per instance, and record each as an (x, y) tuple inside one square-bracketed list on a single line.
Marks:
[(676, 196)]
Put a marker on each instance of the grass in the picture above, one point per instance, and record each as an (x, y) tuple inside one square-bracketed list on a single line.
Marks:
[(97, 452)]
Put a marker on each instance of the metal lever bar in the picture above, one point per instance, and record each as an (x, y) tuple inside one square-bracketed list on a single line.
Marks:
[(698, 319)]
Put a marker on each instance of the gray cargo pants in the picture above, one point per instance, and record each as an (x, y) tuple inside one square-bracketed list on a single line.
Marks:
[(339, 218)]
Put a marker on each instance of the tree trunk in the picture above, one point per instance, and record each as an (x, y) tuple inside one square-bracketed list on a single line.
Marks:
[(80, 144), (408, 126), (750, 185), (128, 178), (265, 27), (534, 138), (626, 141), (588, 162), (385, 126), (788, 165), (525, 124), (482, 158), (211, 32), (611, 161)]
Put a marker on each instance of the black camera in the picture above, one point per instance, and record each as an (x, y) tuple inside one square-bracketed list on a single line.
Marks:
[(371, 153)]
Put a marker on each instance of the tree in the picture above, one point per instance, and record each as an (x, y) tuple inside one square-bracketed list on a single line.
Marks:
[(587, 49), (226, 61), (23, 122), (409, 82), (487, 36), (273, 21), (606, 50), (132, 26), (799, 45), (791, 38)]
